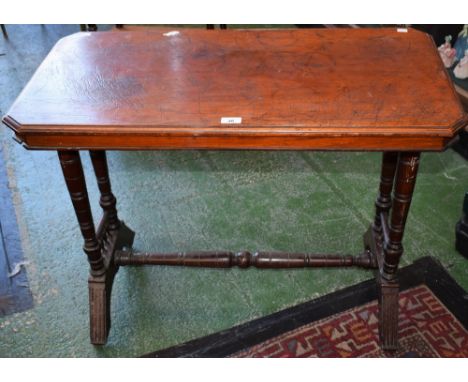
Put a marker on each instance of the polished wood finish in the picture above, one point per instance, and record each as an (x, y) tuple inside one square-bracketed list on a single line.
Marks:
[(265, 260), (334, 89)]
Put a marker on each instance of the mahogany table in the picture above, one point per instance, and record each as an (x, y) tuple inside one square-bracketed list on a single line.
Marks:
[(336, 89)]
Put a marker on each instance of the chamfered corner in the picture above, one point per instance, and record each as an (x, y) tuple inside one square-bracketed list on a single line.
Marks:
[(454, 128), (14, 125)]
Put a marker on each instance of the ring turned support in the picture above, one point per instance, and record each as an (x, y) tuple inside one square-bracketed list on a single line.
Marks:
[(263, 260)]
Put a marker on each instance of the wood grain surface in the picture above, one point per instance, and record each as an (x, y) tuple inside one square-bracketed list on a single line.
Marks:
[(331, 89)]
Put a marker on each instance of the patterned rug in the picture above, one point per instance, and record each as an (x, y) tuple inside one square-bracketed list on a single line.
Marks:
[(433, 322), (426, 329)]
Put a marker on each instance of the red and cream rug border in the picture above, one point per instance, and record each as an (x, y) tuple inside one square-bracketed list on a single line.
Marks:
[(426, 329)]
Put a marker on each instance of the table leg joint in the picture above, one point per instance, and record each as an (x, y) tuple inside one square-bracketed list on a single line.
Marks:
[(100, 287)]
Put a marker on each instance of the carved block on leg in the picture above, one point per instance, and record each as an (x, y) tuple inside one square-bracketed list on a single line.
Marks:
[(100, 288), (374, 246), (388, 313), (125, 237)]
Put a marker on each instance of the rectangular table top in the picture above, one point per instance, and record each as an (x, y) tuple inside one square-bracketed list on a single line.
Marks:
[(331, 89)]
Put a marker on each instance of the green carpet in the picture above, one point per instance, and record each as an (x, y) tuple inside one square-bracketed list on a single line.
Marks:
[(231, 200)]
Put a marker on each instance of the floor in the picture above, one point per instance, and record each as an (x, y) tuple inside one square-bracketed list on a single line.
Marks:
[(302, 201), (15, 295)]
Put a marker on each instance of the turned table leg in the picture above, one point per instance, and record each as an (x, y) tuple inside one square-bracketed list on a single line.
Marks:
[(113, 227), (107, 200), (76, 184), (384, 198), (98, 300), (408, 163), (99, 246)]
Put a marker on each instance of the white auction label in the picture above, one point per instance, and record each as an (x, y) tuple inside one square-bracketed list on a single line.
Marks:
[(402, 30), (171, 33), (231, 120)]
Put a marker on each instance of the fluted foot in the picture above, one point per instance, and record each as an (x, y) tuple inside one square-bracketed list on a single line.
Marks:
[(100, 289), (388, 313)]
